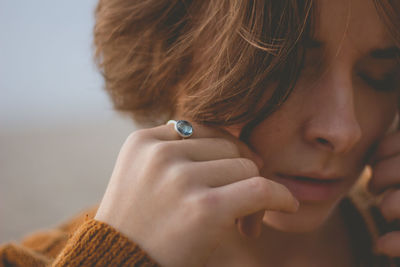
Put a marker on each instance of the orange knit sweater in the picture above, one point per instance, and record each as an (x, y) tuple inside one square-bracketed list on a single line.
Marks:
[(84, 241)]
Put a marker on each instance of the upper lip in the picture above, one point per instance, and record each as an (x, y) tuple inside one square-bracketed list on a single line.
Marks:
[(316, 175)]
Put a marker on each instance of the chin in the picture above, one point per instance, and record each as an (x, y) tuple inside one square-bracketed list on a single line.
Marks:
[(308, 218)]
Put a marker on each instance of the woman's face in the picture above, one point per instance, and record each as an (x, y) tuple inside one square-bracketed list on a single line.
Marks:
[(318, 142)]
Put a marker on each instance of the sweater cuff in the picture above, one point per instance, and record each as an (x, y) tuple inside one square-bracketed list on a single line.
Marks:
[(98, 244)]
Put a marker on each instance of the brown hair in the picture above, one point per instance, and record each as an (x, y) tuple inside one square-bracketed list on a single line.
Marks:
[(211, 60)]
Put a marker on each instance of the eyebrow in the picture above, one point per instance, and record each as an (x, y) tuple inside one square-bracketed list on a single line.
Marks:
[(391, 52)]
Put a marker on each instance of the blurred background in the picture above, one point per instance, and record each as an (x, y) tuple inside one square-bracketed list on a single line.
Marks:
[(59, 137)]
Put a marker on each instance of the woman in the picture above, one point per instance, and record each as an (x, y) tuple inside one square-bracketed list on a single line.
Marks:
[(289, 101)]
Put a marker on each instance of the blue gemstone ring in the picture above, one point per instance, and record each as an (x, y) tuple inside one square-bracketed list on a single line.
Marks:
[(183, 128)]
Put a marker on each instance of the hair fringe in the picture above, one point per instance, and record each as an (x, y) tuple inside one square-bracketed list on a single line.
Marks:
[(210, 60)]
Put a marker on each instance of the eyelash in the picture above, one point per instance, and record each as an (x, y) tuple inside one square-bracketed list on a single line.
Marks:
[(386, 84)]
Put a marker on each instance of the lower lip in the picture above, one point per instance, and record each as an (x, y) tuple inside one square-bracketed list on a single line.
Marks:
[(311, 190)]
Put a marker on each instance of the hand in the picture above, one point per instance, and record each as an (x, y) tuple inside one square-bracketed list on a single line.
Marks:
[(177, 198), (386, 179)]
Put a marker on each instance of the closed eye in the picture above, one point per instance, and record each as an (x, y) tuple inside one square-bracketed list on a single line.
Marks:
[(388, 83)]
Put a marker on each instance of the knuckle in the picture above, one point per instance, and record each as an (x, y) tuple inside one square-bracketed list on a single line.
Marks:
[(137, 136), (162, 153), (162, 148), (208, 200), (178, 173), (181, 176), (135, 143), (205, 203)]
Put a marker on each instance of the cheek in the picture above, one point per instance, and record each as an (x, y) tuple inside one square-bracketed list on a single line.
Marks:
[(378, 118), (375, 110), (269, 136), (274, 137)]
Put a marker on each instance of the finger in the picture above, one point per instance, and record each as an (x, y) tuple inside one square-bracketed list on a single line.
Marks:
[(389, 244), (254, 194), (221, 172), (221, 138), (167, 132), (206, 149), (390, 205), (389, 146), (220, 134), (385, 174), (250, 225)]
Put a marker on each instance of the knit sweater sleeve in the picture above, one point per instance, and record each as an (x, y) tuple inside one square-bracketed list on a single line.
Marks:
[(80, 242), (98, 244)]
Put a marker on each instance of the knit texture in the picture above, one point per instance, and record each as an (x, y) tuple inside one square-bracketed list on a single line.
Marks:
[(98, 244), (82, 241), (16, 255)]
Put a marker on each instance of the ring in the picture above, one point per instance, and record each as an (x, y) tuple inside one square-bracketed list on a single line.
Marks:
[(183, 128)]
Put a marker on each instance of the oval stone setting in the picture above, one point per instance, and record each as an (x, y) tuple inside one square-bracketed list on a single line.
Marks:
[(184, 128)]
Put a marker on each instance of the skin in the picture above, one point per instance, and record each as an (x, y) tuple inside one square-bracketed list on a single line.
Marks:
[(190, 202), (333, 118)]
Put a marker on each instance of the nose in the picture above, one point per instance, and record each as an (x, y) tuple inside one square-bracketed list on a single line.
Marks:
[(332, 124)]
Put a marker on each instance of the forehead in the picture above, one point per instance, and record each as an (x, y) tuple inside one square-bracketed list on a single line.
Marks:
[(352, 22)]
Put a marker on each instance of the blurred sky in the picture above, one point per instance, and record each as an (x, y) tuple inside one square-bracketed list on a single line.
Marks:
[(47, 74)]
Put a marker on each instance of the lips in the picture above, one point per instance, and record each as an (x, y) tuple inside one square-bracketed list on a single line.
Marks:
[(312, 188)]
